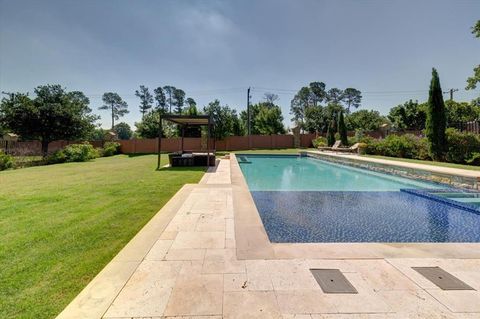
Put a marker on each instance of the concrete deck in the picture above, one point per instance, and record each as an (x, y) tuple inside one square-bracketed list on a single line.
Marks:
[(206, 255)]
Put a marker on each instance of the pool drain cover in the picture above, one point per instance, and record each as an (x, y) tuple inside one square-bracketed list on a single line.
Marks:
[(442, 279), (332, 281)]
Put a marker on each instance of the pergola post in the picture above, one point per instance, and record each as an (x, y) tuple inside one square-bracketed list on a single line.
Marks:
[(208, 143), (159, 141), (185, 121), (183, 135)]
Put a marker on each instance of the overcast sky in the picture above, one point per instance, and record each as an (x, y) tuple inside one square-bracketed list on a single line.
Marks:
[(216, 49)]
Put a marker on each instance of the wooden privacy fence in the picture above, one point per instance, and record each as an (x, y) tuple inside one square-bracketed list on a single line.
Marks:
[(471, 127), (190, 143), (230, 143)]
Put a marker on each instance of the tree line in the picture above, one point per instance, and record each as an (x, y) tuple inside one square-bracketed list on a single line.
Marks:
[(55, 113)]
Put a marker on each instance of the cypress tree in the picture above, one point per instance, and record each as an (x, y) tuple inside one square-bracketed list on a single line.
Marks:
[(330, 134), (342, 129), (436, 119)]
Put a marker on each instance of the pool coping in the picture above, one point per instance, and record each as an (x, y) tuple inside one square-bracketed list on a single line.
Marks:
[(456, 177), (253, 243)]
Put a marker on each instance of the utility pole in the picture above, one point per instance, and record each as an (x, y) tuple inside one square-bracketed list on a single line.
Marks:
[(248, 112), (451, 93)]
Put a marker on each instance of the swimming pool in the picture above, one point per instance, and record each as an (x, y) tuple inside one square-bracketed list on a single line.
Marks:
[(303, 199)]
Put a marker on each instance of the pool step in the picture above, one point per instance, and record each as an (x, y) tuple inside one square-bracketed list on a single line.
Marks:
[(466, 200), (458, 195), (469, 201)]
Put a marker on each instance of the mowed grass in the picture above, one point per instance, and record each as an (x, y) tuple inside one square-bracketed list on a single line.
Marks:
[(442, 164), (61, 224)]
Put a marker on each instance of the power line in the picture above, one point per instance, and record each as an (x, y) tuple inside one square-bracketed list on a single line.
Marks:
[(451, 93)]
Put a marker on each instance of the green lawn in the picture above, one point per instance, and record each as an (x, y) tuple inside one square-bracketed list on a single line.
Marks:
[(409, 160), (61, 224)]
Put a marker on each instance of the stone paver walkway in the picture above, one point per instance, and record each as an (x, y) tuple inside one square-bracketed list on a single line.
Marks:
[(184, 265)]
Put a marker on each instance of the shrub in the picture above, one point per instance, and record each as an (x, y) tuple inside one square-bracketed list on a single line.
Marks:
[(461, 146), (398, 146), (405, 146), (74, 153), (474, 159), (422, 149), (319, 142), (111, 148), (100, 151), (362, 148), (6, 161), (360, 137)]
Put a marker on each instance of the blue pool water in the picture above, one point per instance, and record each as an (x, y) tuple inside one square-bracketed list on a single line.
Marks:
[(295, 173), (302, 199)]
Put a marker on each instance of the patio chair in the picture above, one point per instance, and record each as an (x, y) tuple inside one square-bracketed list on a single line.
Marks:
[(335, 147), (351, 149)]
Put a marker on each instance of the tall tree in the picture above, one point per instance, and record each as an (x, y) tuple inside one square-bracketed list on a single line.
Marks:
[(365, 120), (436, 119), (352, 97), (148, 127), (299, 104), (169, 90), (317, 92), (332, 111), (237, 128), (473, 80), (270, 97), (331, 133), (146, 99), (315, 119), (114, 103), (270, 121), (178, 100), (97, 134), (161, 100), (192, 131), (54, 114), (342, 129), (123, 131), (190, 102), (459, 112), (266, 118), (192, 107), (224, 118), (335, 95), (408, 116)]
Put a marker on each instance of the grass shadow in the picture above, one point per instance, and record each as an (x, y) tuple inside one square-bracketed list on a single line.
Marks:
[(143, 154), (183, 169)]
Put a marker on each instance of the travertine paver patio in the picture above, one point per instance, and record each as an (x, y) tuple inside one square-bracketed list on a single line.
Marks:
[(186, 264)]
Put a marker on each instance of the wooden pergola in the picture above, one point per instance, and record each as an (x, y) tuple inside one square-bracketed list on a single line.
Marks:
[(185, 121)]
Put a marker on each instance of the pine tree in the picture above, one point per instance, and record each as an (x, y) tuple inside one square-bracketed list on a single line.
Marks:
[(436, 119), (112, 101), (146, 99), (342, 129)]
